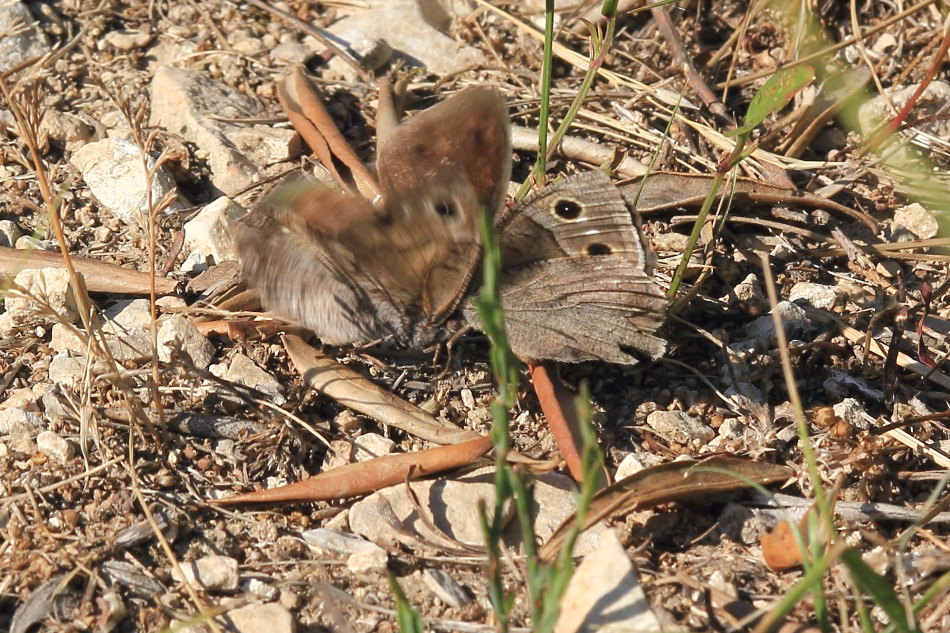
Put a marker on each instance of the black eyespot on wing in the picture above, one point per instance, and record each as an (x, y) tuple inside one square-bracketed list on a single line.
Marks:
[(446, 209), (599, 249), (420, 149), (567, 209)]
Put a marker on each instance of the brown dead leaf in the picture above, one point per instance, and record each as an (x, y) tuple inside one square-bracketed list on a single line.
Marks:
[(99, 276), (353, 390), (369, 476), (304, 108), (674, 481)]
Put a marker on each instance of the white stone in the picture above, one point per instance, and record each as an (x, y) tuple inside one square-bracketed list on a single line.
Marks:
[(66, 128), (374, 559), (262, 618), (629, 466), (669, 242), (731, 428), (749, 291), (820, 296), (604, 595), (9, 233), (112, 169), (214, 573), (127, 40), (23, 398), (244, 371), (913, 222), (412, 36), (66, 370), (337, 542), (261, 589), (372, 445), (55, 446), (39, 296), (793, 320), (209, 231), (389, 515), (179, 333), (679, 427), (127, 331), (18, 423), (852, 411)]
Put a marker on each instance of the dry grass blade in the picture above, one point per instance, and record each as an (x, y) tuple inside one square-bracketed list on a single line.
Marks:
[(353, 390), (365, 477), (99, 276), (673, 481), (668, 190)]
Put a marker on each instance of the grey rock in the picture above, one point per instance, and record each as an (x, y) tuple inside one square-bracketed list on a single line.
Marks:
[(669, 242), (749, 291), (260, 588), (390, 515), (261, 618), (928, 110), (840, 384), (741, 524), (413, 34), (679, 427), (131, 576), (628, 467), (818, 296), (445, 588), (125, 40), (605, 595), (9, 233), (371, 445), (28, 242), (913, 222), (21, 39), (67, 129), (852, 411), (55, 446), (126, 329), (289, 52), (932, 101), (731, 428), (794, 321), (188, 103), (66, 370), (112, 169), (374, 559), (38, 297), (209, 232), (178, 333), (243, 371), (373, 54), (336, 542), (266, 145), (23, 398), (18, 423), (214, 573)]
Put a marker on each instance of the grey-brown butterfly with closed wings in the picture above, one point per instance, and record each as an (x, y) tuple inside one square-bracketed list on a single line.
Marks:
[(576, 279), (577, 276)]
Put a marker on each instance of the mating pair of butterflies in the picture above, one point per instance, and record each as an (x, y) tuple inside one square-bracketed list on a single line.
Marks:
[(576, 280)]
